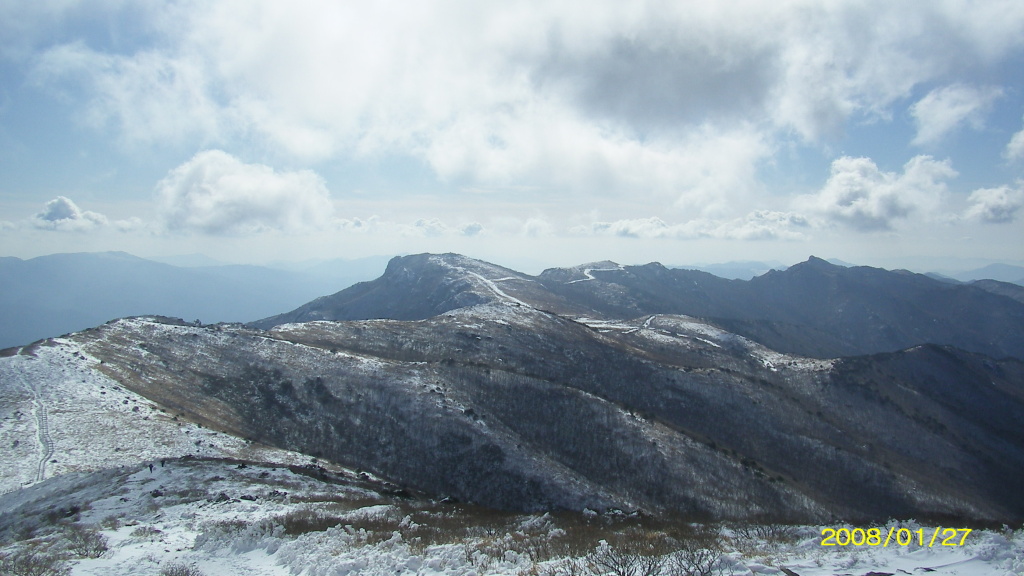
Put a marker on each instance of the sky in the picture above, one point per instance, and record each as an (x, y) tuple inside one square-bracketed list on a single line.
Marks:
[(530, 134)]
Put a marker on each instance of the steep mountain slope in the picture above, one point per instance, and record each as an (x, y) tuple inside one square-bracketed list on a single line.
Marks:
[(513, 407), (61, 293), (421, 286)]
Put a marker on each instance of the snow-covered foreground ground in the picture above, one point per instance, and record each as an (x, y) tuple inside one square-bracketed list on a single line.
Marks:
[(59, 414), (78, 496), (223, 517)]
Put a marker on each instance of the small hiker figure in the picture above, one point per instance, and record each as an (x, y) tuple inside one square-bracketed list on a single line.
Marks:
[(151, 468), (162, 463)]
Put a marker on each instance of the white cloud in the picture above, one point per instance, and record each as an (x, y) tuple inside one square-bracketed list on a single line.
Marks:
[(64, 215), (683, 100), (944, 110), (472, 229), (434, 227), (758, 225), (216, 193), (996, 205), (652, 227), (363, 225), (132, 224), (25, 25), (765, 225), (1014, 151), (536, 227), (863, 197), (428, 227), (419, 228), (148, 97), (706, 171)]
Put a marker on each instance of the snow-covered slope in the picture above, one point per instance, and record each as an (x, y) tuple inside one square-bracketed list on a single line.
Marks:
[(224, 518), (510, 406), (59, 414)]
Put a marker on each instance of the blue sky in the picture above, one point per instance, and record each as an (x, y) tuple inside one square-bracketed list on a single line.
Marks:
[(527, 133)]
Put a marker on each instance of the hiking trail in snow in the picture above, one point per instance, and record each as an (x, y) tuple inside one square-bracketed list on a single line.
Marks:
[(589, 276), (498, 291), (42, 422)]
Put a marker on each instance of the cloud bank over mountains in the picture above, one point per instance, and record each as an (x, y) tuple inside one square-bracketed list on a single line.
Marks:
[(865, 198), (215, 193), (679, 111), (63, 214), (996, 205)]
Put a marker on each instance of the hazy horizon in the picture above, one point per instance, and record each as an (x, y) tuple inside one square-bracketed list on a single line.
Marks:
[(199, 260)]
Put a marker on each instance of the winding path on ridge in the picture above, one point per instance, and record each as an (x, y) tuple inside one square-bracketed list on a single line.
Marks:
[(589, 276), (42, 420), (498, 291)]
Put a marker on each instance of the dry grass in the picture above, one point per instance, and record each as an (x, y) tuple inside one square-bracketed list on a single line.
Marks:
[(180, 569), (33, 561), (306, 520)]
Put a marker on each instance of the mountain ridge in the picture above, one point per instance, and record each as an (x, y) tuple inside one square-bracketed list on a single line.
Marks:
[(537, 411), (813, 308), (583, 388)]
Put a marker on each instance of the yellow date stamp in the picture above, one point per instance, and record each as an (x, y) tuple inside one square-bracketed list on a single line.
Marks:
[(894, 537)]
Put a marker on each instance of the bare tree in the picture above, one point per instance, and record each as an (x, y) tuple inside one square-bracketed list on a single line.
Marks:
[(694, 558), (628, 558)]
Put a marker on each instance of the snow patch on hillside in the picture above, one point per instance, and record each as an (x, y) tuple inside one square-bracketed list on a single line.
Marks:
[(506, 313), (688, 332), (91, 422)]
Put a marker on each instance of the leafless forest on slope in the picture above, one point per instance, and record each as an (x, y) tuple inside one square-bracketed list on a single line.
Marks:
[(596, 387)]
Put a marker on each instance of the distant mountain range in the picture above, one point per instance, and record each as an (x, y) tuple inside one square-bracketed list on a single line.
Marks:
[(817, 393), (814, 308), (61, 293), (744, 270), (1000, 272), (51, 295)]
